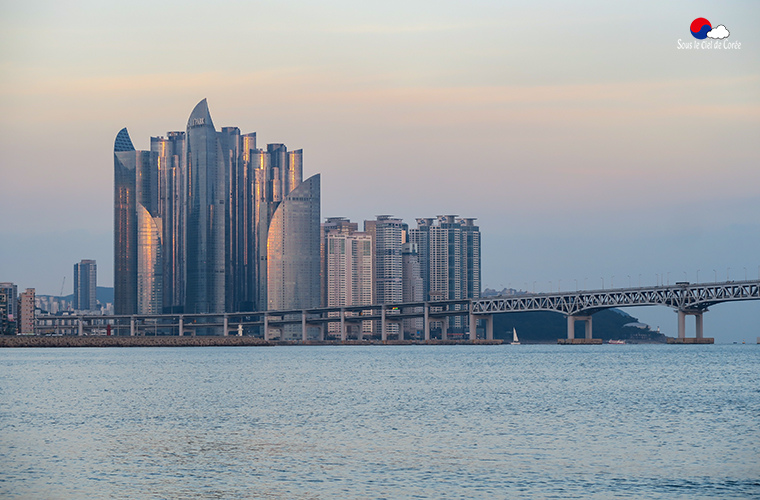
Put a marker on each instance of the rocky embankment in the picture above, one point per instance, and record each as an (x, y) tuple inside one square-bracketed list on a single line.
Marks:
[(111, 341), (205, 341)]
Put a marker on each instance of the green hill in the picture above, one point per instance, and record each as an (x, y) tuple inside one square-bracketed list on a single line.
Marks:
[(543, 327)]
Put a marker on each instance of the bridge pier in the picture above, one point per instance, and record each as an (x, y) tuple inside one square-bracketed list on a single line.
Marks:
[(571, 326), (489, 326), (343, 333), (132, 326), (426, 321), (383, 331), (266, 327), (473, 323), (304, 336), (181, 326), (698, 315), (226, 325)]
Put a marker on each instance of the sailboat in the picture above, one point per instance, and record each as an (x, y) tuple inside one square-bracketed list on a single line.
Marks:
[(515, 340)]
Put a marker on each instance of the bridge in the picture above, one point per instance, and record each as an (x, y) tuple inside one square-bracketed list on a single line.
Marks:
[(686, 298)]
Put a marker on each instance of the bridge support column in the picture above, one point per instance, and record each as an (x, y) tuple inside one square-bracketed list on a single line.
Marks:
[(681, 324), (473, 326), (266, 327), (343, 335), (383, 328), (571, 326), (181, 326), (81, 327), (700, 325), (489, 327), (226, 325), (444, 328), (426, 321), (132, 326), (304, 336), (322, 332)]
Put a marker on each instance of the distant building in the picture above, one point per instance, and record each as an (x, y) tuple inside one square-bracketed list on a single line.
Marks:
[(9, 309), (4, 323), (85, 285), (26, 306), (347, 268)]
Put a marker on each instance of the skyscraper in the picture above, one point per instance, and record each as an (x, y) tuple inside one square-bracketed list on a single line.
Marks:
[(347, 268), (206, 207), (206, 222), (172, 200), (138, 227), (388, 236), (85, 285)]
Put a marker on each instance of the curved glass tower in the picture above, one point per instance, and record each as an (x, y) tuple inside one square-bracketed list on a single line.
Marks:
[(293, 264), (206, 207), (137, 239), (125, 225)]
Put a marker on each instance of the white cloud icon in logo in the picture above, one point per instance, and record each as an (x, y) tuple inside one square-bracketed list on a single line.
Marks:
[(718, 32)]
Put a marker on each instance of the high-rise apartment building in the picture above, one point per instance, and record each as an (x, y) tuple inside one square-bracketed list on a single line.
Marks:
[(85, 285), (206, 222), (449, 253), (347, 267), (26, 305), (388, 235)]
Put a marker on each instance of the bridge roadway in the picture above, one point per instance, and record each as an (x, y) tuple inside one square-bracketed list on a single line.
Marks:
[(685, 298)]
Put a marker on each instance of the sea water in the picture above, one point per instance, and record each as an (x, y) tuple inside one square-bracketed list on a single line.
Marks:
[(629, 421)]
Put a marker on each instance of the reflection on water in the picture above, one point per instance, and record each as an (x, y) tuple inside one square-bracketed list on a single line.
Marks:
[(381, 422)]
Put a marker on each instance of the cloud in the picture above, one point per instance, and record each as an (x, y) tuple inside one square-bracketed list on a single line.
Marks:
[(718, 32)]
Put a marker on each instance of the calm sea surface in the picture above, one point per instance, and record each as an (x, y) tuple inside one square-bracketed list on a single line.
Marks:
[(649, 421)]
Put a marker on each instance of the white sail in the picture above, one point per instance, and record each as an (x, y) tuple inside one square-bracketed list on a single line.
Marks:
[(514, 336)]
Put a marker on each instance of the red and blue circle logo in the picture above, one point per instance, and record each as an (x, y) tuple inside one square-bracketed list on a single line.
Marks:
[(700, 27)]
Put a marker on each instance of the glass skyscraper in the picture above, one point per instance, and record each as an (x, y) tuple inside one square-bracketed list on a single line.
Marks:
[(207, 222)]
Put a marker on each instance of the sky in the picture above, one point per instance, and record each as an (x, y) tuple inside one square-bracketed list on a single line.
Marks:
[(593, 147)]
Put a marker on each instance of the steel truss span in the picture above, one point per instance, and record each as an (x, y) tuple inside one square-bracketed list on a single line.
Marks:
[(689, 298)]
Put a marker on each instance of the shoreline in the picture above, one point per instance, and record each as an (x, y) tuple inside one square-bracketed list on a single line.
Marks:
[(203, 341)]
